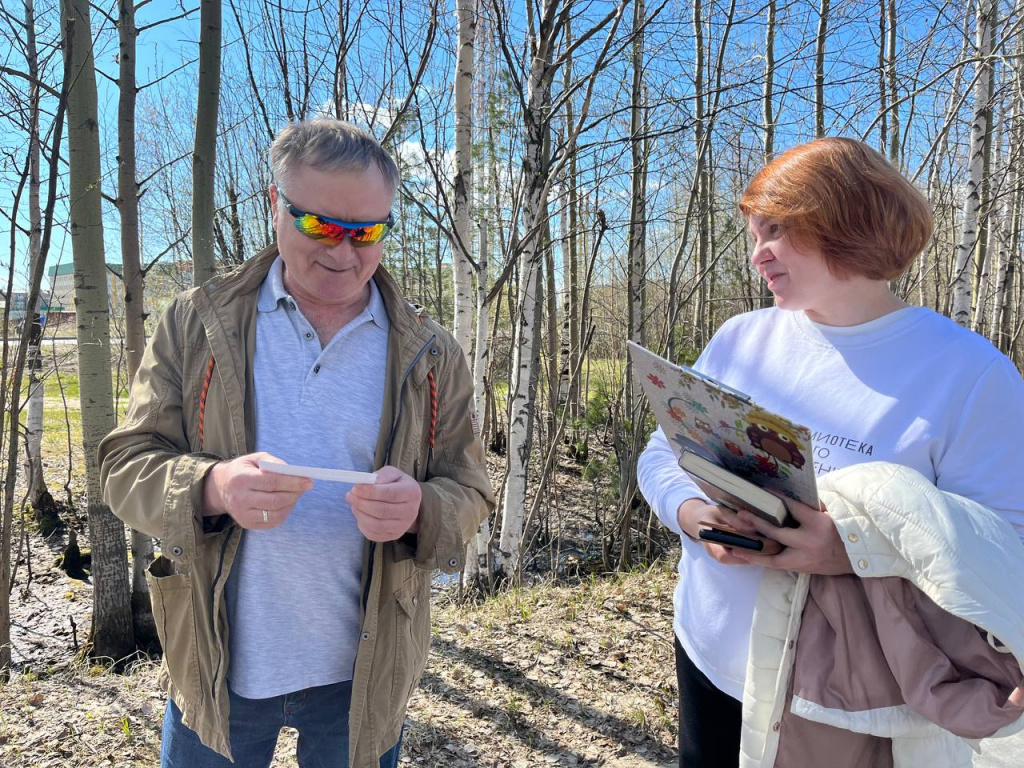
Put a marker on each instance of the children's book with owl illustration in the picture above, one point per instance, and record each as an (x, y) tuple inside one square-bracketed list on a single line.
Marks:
[(734, 449)]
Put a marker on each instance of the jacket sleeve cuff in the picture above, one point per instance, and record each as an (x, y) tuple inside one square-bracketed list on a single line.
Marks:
[(435, 544), (184, 524)]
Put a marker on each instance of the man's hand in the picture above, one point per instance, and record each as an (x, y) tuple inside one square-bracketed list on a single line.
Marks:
[(255, 499), (389, 508), (692, 511), (814, 547)]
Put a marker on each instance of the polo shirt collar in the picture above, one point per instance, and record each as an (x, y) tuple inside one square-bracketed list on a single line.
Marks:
[(272, 293)]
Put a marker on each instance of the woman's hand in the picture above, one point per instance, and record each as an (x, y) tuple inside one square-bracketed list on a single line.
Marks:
[(690, 514), (814, 547)]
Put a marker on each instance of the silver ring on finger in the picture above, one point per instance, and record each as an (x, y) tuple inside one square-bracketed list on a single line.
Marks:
[(266, 516)]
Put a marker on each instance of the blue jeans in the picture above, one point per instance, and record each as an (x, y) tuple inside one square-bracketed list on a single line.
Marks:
[(320, 715)]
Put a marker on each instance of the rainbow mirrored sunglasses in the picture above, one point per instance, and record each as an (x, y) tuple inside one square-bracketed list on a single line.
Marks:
[(327, 229)]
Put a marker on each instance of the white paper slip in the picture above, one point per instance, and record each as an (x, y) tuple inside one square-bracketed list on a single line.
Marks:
[(319, 473)]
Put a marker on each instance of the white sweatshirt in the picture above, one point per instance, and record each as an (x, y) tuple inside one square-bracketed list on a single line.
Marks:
[(911, 387)]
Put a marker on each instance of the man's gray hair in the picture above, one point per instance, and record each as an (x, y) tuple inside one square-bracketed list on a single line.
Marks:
[(327, 144)]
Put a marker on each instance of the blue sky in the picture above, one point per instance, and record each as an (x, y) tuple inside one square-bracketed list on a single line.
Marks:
[(852, 97)]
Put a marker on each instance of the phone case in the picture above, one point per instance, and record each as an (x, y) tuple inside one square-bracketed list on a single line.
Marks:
[(730, 537)]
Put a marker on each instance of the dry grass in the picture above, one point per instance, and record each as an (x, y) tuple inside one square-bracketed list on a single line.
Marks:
[(569, 675)]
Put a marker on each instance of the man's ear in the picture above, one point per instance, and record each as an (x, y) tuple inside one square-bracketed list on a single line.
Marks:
[(272, 192)]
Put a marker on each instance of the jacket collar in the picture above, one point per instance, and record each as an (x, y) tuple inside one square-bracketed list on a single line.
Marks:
[(242, 284)]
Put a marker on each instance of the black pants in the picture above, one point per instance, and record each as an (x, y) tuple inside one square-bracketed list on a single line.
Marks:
[(709, 720)]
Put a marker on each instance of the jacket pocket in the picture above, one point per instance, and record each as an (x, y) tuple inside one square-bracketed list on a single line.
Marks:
[(171, 593), (412, 639)]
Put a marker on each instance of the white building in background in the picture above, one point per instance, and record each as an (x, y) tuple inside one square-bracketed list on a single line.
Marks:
[(18, 306), (164, 281), (62, 289)]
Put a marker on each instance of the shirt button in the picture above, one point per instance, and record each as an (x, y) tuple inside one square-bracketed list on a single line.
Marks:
[(176, 551), (453, 563), (309, 335), (776, 726), (435, 351), (791, 644), (854, 538), (316, 368), (862, 564), (366, 635)]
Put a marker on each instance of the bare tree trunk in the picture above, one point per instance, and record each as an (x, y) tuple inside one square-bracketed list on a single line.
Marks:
[(551, 318), (476, 550), (702, 191), (769, 122), (819, 69), (462, 240), (769, 83), (962, 272), (39, 496), (1010, 244), (894, 133), (204, 155), (569, 386), (981, 271), (989, 230), (341, 107), (883, 88), (134, 291), (536, 177), (526, 326), (111, 633), (636, 270), (12, 408)]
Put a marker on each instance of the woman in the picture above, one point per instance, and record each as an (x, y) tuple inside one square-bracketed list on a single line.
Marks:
[(872, 377)]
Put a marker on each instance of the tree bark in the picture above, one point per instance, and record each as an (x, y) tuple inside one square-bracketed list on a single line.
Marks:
[(969, 235), (204, 155), (819, 70), (462, 239), (111, 633), (521, 415), (894, 128), (636, 271), (133, 281), (700, 180), (38, 495)]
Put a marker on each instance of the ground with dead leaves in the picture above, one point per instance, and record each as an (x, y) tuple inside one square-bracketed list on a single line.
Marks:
[(569, 675)]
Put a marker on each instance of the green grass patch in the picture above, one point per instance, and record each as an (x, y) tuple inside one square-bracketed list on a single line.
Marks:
[(56, 381)]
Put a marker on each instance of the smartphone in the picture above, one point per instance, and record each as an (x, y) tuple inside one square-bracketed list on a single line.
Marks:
[(730, 537)]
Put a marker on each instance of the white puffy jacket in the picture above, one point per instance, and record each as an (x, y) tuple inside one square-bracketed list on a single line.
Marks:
[(964, 557)]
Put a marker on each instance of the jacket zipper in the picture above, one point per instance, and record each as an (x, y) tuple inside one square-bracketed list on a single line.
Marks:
[(387, 451), (213, 594)]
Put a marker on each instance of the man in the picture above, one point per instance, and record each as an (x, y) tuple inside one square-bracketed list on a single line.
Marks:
[(281, 600)]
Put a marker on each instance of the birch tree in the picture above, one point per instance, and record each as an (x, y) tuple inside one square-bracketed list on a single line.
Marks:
[(964, 261), (111, 634), (462, 239), (543, 64), (1010, 243)]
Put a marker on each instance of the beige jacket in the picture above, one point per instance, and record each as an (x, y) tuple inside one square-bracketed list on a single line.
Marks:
[(154, 464)]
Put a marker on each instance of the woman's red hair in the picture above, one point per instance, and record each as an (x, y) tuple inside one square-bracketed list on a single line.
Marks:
[(845, 199)]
